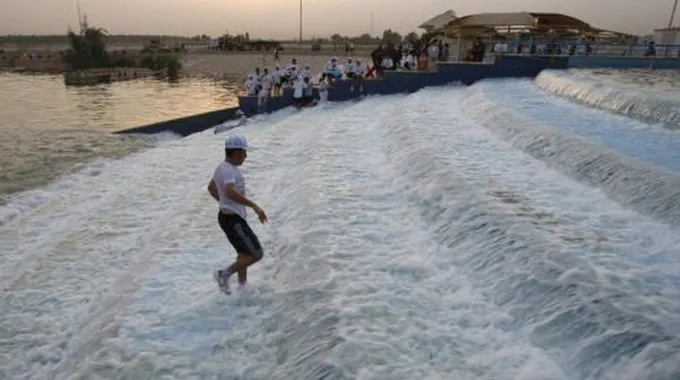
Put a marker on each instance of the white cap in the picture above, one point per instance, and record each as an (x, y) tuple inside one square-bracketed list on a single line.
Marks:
[(236, 142)]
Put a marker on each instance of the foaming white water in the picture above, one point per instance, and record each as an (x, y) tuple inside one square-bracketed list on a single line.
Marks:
[(570, 264), (625, 135), (18, 204), (351, 286), (645, 104), (593, 283), (399, 247), (633, 182)]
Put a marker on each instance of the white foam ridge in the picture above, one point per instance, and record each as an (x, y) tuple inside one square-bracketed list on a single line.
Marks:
[(23, 202), (649, 189), (644, 104), (405, 242), (628, 136)]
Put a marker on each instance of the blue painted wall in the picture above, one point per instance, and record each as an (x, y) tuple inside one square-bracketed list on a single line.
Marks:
[(185, 126), (411, 81)]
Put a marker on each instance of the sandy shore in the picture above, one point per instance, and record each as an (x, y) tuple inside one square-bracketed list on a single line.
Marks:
[(236, 66)]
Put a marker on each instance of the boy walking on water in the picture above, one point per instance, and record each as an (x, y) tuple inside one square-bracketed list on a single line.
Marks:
[(229, 188)]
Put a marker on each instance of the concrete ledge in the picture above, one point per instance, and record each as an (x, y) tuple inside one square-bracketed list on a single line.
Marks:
[(396, 82), (188, 125), (589, 61)]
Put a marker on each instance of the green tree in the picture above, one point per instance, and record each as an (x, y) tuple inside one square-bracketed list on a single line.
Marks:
[(390, 36), (87, 49), (411, 37)]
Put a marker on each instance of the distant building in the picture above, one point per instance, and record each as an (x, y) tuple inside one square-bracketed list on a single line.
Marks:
[(667, 36), (439, 22)]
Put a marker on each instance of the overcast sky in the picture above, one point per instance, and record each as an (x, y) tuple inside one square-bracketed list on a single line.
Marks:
[(279, 18)]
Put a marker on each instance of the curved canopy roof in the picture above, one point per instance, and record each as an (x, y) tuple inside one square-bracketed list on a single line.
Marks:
[(439, 21), (527, 19)]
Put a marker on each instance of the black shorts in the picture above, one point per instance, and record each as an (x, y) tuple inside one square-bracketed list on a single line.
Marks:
[(241, 237)]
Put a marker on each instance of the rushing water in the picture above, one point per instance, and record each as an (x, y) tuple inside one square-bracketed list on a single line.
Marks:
[(48, 128), (447, 234), (649, 95)]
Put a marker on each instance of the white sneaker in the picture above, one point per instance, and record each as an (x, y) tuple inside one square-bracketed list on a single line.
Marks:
[(222, 281)]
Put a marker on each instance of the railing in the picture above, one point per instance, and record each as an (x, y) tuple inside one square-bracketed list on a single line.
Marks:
[(598, 48)]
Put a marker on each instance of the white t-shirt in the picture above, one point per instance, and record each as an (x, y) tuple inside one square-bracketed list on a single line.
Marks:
[(291, 70), (227, 173), (349, 67), (266, 81), (299, 88)]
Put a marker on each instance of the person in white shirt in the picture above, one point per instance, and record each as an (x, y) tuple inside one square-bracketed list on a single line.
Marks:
[(410, 62), (323, 91), (500, 48), (330, 71), (254, 82), (265, 86), (298, 92), (306, 72), (306, 76), (249, 84), (387, 63), (349, 68), (276, 79), (290, 73), (299, 87), (229, 189), (358, 77), (433, 55)]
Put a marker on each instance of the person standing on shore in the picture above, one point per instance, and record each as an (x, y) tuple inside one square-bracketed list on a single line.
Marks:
[(229, 189)]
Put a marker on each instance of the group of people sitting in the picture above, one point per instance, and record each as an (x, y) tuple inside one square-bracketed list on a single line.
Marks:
[(264, 84)]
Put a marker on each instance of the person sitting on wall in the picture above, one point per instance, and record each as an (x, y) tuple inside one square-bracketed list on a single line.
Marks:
[(327, 68), (410, 61), (332, 71), (348, 68), (387, 63), (651, 50), (357, 77)]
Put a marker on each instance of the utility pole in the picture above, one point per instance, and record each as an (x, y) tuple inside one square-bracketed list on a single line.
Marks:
[(300, 37), (675, 6), (80, 17)]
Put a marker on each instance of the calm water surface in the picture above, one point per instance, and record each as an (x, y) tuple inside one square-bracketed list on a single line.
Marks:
[(48, 128)]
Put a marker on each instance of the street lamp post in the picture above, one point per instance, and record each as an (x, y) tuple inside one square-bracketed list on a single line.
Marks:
[(80, 17), (300, 36)]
